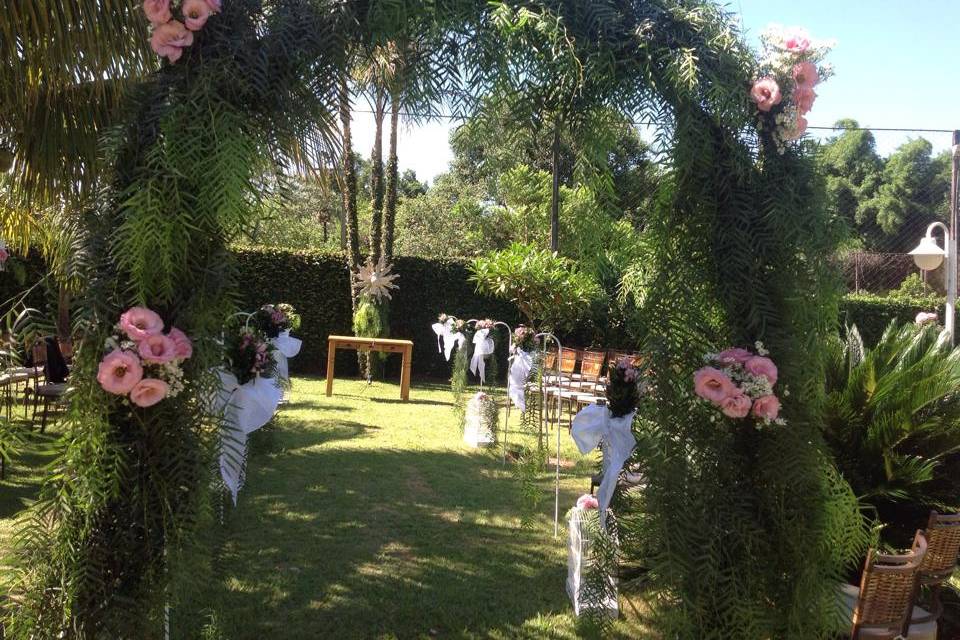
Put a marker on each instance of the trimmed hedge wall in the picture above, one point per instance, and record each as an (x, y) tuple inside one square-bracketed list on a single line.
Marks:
[(872, 313), (318, 285)]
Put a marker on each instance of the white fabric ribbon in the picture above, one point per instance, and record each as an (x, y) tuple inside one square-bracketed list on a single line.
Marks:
[(520, 367), (447, 337), (287, 347), (483, 346), (595, 424), (245, 408)]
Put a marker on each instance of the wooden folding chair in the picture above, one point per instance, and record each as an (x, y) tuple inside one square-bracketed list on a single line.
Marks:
[(943, 546), (880, 608)]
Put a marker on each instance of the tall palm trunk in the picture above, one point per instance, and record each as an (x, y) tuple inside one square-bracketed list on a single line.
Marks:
[(393, 178), (376, 177), (349, 182)]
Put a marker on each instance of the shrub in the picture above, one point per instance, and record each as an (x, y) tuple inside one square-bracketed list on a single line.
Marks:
[(872, 313)]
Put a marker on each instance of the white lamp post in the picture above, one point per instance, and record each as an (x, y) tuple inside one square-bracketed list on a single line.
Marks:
[(928, 255)]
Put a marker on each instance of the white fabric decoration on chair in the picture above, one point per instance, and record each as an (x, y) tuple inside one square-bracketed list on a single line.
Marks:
[(595, 424), (483, 346), (447, 337), (517, 381), (287, 347)]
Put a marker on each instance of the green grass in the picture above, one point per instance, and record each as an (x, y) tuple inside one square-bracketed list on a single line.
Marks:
[(365, 517)]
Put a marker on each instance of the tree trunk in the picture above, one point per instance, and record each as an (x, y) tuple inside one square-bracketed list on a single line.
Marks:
[(376, 177), (349, 179), (393, 180), (555, 197)]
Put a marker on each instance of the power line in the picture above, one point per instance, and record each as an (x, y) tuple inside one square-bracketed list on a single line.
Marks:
[(449, 116)]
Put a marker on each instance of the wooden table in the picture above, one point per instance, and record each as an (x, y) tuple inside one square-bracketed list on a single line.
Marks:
[(386, 345)]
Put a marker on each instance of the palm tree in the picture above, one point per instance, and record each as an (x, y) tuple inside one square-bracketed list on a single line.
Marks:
[(892, 419)]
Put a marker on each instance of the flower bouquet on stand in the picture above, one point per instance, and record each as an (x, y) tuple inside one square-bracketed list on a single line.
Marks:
[(591, 562), (521, 364), (276, 322)]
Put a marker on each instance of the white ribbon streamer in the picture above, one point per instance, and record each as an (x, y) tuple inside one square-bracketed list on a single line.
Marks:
[(483, 346), (517, 380), (287, 347), (447, 337), (595, 424)]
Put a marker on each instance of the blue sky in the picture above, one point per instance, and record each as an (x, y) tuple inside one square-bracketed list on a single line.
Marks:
[(893, 69)]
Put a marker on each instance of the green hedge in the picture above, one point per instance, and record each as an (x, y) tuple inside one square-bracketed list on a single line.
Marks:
[(318, 285), (872, 313)]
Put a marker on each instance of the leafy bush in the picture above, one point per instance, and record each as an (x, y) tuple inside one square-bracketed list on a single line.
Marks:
[(892, 419), (548, 289)]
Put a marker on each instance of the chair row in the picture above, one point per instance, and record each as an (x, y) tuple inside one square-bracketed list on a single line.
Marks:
[(579, 378), (41, 383)]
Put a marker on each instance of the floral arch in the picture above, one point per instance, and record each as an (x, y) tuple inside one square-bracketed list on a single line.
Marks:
[(745, 530)]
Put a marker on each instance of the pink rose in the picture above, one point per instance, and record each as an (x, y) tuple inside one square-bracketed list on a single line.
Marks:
[(149, 392), (713, 385), (766, 93), (169, 39), (767, 407), (805, 74), (799, 128), (587, 501), (760, 366), (157, 11), (804, 97), (157, 348), (140, 322), (214, 5), (797, 41), (182, 342), (734, 355), (195, 14), (119, 372), (4, 254), (737, 406), (925, 317)]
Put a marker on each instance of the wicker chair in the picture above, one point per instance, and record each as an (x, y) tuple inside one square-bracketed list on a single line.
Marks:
[(943, 546), (881, 607)]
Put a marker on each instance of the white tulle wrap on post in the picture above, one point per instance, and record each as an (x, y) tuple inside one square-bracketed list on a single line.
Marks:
[(482, 347), (287, 347), (522, 363), (245, 408), (447, 337), (595, 425)]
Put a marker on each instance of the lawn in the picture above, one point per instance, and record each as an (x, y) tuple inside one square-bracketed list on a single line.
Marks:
[(365, 517)]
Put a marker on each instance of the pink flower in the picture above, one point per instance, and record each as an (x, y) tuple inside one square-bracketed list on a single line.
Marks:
[(760, 366), (169, 39), (4, 254), (182, 342), (797, 41), (149, 392), (767, 407), (805, 74), (214, 5), (157, 348), (630, 375), (925, 317), (734, 355), (736, 406), (140, 322), (766, 93), (587, 501), (195, 14), (713, 385), (803, 97), (157, 11), (799, 128), (119, 372)]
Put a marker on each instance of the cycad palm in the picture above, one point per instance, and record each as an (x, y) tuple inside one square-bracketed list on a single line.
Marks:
[(893, 421)]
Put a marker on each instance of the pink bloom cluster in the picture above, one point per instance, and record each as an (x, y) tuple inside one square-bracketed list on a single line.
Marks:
[(142, 362), (170, 37), (925, 317), (523, 337), (740, 383), (486, 323), (587, 501), (784, 93), (262, 360), (4, 254)]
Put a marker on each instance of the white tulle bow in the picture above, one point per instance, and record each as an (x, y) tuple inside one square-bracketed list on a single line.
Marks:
[(447, 337), (482, 347), (520, 367), (287, 347), (594, 425)]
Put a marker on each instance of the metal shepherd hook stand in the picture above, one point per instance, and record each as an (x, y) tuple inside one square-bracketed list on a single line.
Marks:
[(546, 336)]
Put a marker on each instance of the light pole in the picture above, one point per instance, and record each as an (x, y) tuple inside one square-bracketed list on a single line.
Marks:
[(928, 256)]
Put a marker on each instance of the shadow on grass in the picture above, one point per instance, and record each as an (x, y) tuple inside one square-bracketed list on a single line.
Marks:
[(24, 476), (435, 403), (368, 543)]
